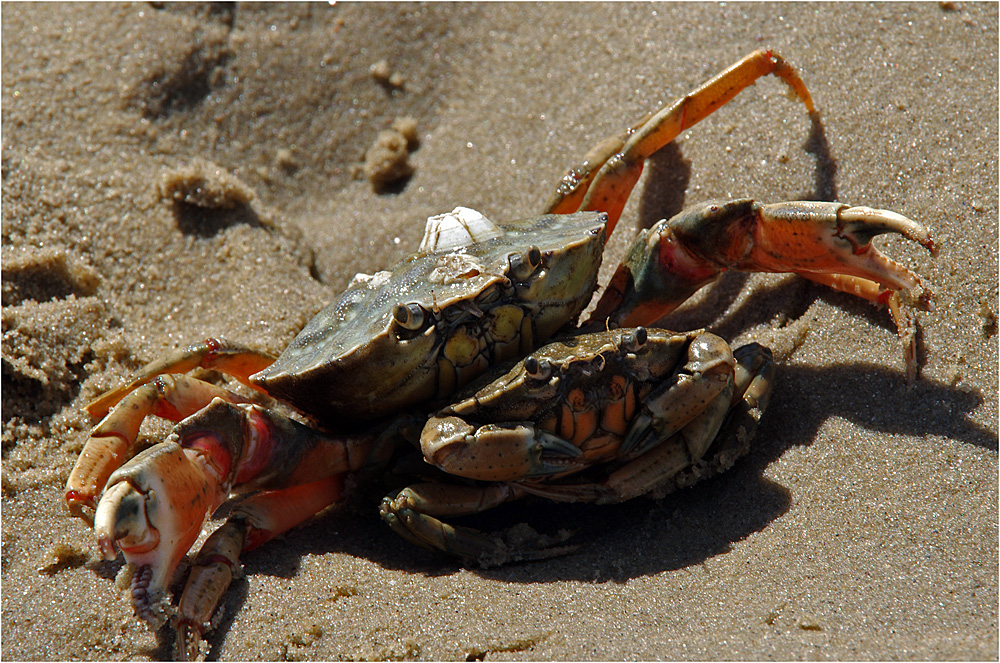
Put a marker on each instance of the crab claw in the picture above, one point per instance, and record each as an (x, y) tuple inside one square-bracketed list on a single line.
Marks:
[(496, 452), (826, 242), (153, 510), (827, 238)]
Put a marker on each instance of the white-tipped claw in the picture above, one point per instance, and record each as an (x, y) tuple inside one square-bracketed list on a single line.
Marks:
[(888, 221), (105, 518)]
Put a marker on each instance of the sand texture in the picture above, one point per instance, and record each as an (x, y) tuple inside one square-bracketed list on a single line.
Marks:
[(172, 173)]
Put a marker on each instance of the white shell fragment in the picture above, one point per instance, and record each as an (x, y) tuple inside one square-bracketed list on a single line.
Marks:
[(455, 229), (375, 280)]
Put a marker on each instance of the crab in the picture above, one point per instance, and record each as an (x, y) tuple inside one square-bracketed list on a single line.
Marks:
[(598, 417), (609, 410)]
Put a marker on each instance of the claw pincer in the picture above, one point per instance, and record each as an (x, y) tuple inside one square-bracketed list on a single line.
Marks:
[(829, 243), (153, 509)]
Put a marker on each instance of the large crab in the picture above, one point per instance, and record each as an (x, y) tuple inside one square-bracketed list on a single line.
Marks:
[(611, 411)]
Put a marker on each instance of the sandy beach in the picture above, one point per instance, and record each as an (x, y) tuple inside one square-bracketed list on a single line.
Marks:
[(863, 522)]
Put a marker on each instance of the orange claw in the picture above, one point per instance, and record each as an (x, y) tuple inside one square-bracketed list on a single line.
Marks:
[(112, 441), (826, 242), (831, 238), (153, 509), (154, 505)]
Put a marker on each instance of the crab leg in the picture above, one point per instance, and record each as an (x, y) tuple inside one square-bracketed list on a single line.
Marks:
[(112, 442), (605, 179), (403, 513), (154, 505), (215, 353), (826, 242), (414, 514), (902, 315), (253, 522)]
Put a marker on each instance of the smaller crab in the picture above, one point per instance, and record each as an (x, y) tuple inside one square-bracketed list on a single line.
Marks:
[(646, 410)]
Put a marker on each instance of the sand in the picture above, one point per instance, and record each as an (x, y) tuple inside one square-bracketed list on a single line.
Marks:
[(862, 525)]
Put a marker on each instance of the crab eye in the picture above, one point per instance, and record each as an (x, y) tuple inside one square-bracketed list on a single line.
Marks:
[(635, 339), (537, 369), (408, 316), (523, 265)]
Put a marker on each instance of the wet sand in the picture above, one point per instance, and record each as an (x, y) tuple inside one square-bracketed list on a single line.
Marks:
[(862, 525)]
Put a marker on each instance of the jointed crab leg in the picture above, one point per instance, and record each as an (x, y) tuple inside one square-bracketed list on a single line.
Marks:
[(605, 179), (403, 513), (826, 242), (693, 403), (233, 360), (253, 522), (414, 514), (112, 442)]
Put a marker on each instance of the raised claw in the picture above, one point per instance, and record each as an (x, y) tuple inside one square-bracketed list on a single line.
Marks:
[(830, 238), (121, 517), (829, 243)]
